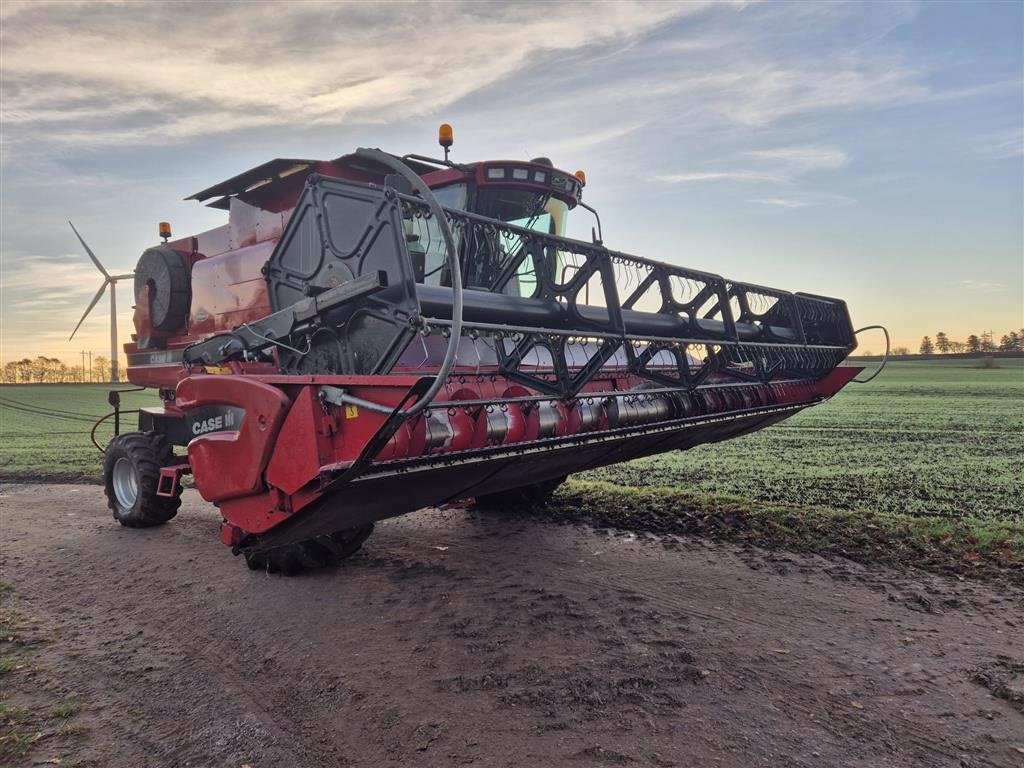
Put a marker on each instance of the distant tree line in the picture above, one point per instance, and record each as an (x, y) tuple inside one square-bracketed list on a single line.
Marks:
[(51, 370), (975, 344)]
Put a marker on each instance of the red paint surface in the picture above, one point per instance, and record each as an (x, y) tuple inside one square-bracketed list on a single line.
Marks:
[(230, 289), (231, 463), (302, 446), (835, 380)]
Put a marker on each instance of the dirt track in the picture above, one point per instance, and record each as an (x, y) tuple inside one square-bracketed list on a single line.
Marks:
[(463, 638)]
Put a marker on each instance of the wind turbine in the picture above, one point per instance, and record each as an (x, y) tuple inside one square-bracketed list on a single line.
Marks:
[(110, 280)]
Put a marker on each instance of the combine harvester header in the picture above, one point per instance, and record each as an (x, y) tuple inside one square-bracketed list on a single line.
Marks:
[(372, 334)]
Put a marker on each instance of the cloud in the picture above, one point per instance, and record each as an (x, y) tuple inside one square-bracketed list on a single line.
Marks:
[(780, 202), (101, 74), (585, 141), (803, 198), (763, 96), (802, 159), (747, 176), (981, 286), (61, 279), (94, 75), (781, 166), (1004, 145)]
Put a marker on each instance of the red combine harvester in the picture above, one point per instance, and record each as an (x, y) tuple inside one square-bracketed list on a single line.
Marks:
[(370, 335)]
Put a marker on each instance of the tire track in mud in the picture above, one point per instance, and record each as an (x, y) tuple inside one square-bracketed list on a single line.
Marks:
[(460, 638), (841, 718), (184, 691)]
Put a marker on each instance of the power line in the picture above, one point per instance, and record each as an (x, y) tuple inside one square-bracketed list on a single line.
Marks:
[(48, 412)]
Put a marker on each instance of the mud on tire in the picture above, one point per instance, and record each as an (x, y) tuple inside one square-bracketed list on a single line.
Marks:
[(131, 472), (524, 496), (309, 555)]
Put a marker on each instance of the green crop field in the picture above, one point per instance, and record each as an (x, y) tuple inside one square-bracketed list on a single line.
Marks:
[(930, 438), (44, 429)]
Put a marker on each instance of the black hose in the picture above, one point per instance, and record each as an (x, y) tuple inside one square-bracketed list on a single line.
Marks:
[(885, 357), (375, 155), (92, 432)]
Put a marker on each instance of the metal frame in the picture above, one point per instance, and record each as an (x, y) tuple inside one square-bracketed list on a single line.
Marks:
[(742, 332)]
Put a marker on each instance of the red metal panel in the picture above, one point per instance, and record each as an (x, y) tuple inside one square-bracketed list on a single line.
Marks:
[(229, 289), (835, 380), (250, 224), (208, 243), (227, 464), (301, 448), (443, 178), (156, 376), (251, 514), (383, 389)]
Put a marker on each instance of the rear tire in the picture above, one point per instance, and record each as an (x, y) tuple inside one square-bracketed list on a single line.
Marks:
[(131, 472), (309, 555), (524, 496)]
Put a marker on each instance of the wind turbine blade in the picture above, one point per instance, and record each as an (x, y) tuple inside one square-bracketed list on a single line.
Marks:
[(95, 300), (88, 250)]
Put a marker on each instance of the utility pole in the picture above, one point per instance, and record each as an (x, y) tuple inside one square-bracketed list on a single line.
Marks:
[(90, 366), (113, 333), (83, 366)]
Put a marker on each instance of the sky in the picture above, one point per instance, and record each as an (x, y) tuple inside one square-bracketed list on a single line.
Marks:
[(868, 151)]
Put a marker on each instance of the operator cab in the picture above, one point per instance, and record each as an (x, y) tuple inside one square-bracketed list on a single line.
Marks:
[(532, 195)]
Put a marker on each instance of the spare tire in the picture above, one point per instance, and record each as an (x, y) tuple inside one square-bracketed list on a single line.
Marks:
[(166, 273)]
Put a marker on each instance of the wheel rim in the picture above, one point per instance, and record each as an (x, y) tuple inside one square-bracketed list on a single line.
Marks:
[(126, 484)]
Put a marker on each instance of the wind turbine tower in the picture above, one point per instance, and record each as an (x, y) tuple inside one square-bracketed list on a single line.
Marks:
[(110, 280)]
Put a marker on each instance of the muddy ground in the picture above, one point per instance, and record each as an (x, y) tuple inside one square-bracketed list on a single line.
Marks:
[(464, 638)]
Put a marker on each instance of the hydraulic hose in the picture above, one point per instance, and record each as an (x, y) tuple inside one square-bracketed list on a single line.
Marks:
[(885, 357), (392, 162)]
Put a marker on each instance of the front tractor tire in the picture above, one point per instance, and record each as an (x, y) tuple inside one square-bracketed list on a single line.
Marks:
[(523, 496), (131, 473), (321, 552)]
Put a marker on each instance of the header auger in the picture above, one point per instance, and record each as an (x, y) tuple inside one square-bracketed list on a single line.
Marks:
[(370, 335)]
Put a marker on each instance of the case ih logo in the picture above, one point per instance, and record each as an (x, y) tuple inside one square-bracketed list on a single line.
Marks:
[(214, 418)]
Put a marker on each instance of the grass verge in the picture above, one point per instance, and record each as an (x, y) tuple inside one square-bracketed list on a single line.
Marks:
[(968, 546), (32, 715)]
